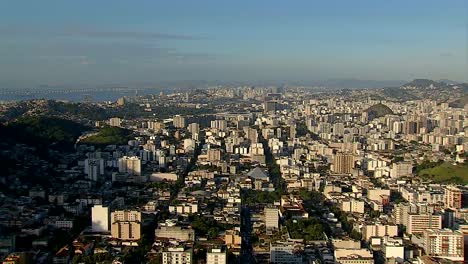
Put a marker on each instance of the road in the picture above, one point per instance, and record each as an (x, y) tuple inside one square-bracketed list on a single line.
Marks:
[(246, 233)]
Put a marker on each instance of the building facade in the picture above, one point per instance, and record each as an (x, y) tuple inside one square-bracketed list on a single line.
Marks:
[(444, 243)]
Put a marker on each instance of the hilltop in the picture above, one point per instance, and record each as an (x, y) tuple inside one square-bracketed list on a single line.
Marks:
[(460, 102), (419, 89), (42, 132), (378, 110), (91, 112)]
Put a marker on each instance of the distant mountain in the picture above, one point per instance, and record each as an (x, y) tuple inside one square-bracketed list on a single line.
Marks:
[(427, 89), (447, 81), (358, 84), (424, 84)]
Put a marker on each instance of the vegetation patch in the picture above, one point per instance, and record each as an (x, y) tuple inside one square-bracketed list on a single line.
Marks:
[(40, 131), (307, 229), (446, 173), (109, 136)]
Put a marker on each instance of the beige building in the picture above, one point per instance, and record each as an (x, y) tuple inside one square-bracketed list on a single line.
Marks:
[(379, 230), (214, 155), (179, 121), (156, 126), (175, 232), (271, 218), (354, 256), (343, 163), (377, 194), (126, 225), (352, 206), (194, 128), (400, 169), (216, 256), (219, 124), (115, 121), (417, 223), (453, 197), (130, 165), (232, 239), (184, 208), (346, 243), (444, 243)]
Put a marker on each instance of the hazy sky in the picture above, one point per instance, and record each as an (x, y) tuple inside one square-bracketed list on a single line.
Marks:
[(99, 42)]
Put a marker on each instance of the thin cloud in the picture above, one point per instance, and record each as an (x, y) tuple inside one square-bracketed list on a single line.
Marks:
[(103, 34), (130, 35), (68, 59), (446, 54)]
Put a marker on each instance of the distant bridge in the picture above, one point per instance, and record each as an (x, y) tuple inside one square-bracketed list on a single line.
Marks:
[(29, 92)]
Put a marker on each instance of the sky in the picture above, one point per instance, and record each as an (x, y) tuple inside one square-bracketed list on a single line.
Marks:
[(114, 41)]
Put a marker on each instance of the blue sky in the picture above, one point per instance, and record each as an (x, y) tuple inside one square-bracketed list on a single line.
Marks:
[(101, 42)]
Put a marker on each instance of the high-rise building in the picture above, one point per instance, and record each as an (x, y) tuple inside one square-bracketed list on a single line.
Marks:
[(126, 225), (193, 128), (292, 130), (271, 217), (219, 124), (214, 155), (115, 121), (130, 165), (444, 243), (286, 253), (162, 161), (370, 230), (453, 197), (417, 223), (100, 218), (216, 256), (338, 129), (156, 126), (343, 163), (252, 134), (270, 106), (400, 169), (257, 149), (352, 205), (94, 168), (309, 109), (179, 121)]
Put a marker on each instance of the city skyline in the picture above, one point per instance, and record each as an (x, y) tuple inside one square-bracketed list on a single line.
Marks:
[(215, 132), (63, 42)]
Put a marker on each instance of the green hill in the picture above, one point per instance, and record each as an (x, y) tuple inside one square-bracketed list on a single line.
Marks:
[(378, 110), (109, 136), (460, 102), (447, 173), (42, 132)]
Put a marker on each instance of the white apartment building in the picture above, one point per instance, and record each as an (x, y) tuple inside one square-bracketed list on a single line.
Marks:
[(216, 256), (286, 253), (184, 208), (353, 206), (444, 243), (130, 165), (177, 255), (100, 218)]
